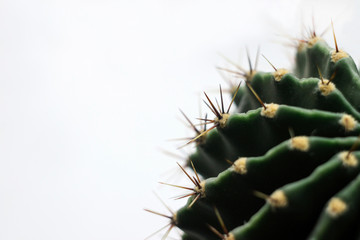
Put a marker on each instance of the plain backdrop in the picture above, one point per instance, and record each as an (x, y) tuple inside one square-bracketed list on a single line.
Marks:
[(89, 97)]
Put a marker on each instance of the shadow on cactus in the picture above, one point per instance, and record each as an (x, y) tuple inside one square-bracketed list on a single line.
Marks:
[(285, 164)]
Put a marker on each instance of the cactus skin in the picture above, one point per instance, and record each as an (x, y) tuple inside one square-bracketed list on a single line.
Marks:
[(310, 181)]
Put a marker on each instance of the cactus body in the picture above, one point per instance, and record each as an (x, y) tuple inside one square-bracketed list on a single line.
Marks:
[(279, 186)]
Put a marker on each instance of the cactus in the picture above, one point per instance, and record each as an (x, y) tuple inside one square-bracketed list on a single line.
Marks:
[(284, 165)]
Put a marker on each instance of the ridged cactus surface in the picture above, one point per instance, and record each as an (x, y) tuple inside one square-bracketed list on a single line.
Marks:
[(284, 165)]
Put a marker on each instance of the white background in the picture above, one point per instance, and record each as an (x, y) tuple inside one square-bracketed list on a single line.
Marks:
[(90, 91)]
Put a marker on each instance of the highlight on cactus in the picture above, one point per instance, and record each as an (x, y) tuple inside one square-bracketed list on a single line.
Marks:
[(281, 160)]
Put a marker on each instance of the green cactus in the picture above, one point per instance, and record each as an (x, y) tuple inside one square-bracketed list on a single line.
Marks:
[(285, 168)]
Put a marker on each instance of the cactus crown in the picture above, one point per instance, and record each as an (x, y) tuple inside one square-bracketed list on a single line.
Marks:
[(284, 165)]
